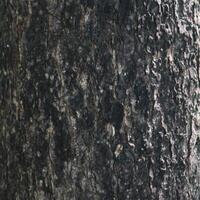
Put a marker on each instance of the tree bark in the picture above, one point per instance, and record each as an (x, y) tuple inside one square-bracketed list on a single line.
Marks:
[(99, 99)]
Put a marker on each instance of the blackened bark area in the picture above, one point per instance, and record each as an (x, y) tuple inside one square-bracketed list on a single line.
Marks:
[(99, 99)]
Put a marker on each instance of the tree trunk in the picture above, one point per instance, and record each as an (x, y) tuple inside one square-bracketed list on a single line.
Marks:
[(99, 100)]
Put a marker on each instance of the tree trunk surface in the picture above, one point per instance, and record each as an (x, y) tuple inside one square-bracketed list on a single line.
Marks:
[(99, 100)]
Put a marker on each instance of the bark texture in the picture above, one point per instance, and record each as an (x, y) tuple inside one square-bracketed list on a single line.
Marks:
[(99, 99)]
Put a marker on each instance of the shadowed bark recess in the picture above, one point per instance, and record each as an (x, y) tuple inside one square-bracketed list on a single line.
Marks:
[(99, 99)]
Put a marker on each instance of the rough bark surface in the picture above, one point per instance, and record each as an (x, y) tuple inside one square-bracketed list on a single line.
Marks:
[(99, 99)]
